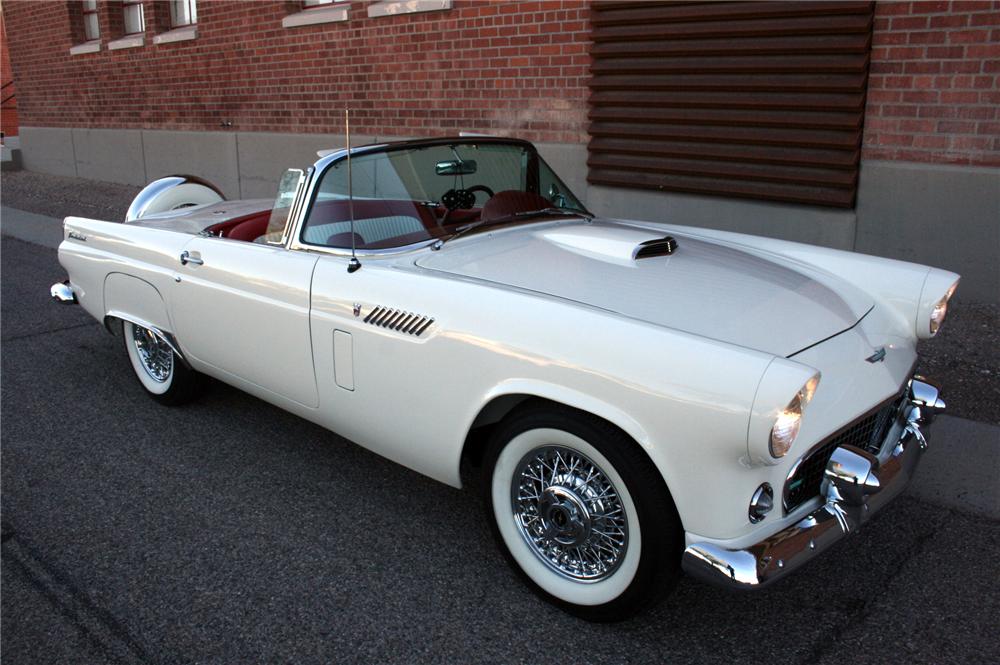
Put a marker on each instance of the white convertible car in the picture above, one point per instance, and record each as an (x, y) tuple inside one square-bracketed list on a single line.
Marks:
[(639, 398)]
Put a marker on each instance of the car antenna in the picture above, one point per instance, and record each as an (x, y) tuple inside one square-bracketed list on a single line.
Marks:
[(354, 265)]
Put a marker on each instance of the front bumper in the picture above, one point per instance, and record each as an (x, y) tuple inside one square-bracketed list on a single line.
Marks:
[(856, 486)]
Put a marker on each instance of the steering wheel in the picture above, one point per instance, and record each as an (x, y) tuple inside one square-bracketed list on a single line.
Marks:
[(461, 199), (454, 199)]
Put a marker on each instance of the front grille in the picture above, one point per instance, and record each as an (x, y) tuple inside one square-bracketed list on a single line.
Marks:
[(867, 433)]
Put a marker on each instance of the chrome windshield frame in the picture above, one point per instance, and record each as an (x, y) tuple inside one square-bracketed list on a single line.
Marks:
[(319, 169)]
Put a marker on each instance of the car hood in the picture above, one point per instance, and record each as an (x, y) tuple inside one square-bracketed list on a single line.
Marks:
[(715, 290)]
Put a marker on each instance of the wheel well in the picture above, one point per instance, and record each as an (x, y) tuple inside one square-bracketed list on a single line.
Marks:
[(479, 433), (495, 411)]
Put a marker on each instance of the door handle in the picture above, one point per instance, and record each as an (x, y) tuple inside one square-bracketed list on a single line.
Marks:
[(186, 258)]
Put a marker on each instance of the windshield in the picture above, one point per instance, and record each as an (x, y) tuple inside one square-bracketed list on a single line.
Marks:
[(406, 195)]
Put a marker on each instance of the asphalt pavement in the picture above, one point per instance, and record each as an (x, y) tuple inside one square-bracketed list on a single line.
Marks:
[(229, 531)]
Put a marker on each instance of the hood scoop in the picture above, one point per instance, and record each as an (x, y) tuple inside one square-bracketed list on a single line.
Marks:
[(664, 246), (615, 244)]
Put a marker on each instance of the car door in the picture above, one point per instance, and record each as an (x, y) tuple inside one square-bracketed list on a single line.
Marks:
[(370, 375), (242, 309)]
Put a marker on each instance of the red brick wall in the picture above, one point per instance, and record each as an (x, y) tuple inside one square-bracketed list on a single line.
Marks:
[(933, 92), (499, 67), (8, 111)]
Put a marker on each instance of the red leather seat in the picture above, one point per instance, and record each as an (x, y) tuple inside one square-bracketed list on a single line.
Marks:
[(324, 212), (250, 229), (506, 203)]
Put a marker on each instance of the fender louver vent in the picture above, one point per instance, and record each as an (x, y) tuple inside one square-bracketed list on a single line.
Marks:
[(658, 247), (404, 322)]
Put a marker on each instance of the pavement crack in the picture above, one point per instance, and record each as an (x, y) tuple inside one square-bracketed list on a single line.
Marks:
[(858, 611), (15, 338), (95, 623)]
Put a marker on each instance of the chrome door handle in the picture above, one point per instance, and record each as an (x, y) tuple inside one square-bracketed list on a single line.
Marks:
[(186, 258)]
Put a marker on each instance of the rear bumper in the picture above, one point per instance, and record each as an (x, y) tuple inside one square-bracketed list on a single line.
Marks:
[(62, 293), (856, 486)]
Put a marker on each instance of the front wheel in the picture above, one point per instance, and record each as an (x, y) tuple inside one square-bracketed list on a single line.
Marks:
[(581, 513), (159, 370)]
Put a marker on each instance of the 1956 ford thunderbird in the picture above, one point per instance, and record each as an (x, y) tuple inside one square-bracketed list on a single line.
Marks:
[(639, 398)]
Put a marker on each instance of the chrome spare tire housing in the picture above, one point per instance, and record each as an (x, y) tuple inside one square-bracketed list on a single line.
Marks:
[(172, 193)]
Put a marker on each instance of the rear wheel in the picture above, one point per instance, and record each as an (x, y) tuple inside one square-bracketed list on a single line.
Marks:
[(581, 513), (159, 370)]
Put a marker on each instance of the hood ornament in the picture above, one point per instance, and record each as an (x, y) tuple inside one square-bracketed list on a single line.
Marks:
[(877, 357)]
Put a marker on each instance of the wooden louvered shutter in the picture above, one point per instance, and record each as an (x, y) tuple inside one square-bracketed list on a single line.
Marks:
[(761, 100)]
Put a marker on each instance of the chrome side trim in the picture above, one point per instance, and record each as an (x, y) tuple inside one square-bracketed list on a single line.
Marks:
[(62, 293), (164, 336), (857, 486)]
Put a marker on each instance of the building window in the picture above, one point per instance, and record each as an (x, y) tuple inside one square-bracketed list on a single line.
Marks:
[(183, 12), (318, 11), (135, 22), (91, 26), (396, 7)]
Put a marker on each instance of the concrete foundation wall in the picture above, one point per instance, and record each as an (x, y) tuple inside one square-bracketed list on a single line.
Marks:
[(114, 155), (263, 157), (211, 155), (945, 216), (49, 150)]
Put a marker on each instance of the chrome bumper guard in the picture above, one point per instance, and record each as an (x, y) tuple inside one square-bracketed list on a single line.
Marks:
[(62, 293), (856, 486)]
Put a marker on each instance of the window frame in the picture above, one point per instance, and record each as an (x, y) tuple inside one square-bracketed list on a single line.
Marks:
[(128, 5), (87, 37), (192, 12)]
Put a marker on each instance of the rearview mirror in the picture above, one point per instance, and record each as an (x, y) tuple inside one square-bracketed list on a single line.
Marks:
[(456, 167)]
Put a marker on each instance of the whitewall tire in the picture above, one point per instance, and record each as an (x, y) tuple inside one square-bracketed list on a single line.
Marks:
[(580, 511), (163, 375)]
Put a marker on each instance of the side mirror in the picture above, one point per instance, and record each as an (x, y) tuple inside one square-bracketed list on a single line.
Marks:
[(456, 167)]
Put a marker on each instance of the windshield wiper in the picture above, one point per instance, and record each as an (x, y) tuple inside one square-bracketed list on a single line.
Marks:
[(565, 212)]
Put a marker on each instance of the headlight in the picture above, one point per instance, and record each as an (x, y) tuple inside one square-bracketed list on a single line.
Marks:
[(939, 286), (786, 425), (941, 310)]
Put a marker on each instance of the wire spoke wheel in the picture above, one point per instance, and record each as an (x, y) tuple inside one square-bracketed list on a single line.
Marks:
[(581, 512), (569, 513), (161, 372), (155, 355)]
